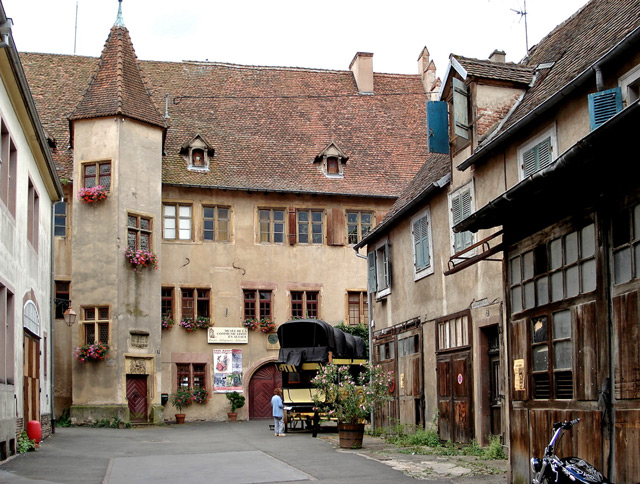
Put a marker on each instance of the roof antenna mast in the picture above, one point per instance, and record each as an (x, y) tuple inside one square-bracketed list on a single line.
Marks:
[(75, 35), (523, 13), (119, 20)]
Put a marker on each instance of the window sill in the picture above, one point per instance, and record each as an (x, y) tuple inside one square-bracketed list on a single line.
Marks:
[(383, 293), (427, 271)]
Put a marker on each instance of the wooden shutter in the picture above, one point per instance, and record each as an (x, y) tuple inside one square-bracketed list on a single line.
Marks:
[(292, 226), (421, 243), (336, 226), (460, 108), (437, 127), (537, 158), (603, 106), (461, 209), (371, 272)]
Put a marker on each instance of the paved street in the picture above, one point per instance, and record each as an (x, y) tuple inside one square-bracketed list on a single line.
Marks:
[(222, 452)]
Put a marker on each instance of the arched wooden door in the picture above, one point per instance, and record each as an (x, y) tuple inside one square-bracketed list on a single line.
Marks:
[(261, 387)]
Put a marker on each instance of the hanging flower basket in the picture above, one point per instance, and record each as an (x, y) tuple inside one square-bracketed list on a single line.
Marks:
[(93, 194), (200, 322), (93, 352), (267, 326), (167, 322), (141, 258), (251, 324)]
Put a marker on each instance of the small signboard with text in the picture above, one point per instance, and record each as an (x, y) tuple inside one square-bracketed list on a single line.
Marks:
[(227, 335)]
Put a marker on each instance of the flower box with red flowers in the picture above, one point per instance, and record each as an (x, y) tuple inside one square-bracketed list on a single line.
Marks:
[(141, 258), (92, 352), (93, 194)]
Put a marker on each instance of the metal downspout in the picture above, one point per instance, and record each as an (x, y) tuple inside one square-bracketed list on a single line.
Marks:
[(52, 318)]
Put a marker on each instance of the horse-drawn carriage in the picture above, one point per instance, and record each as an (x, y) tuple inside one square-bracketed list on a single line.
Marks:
[(305, 344)]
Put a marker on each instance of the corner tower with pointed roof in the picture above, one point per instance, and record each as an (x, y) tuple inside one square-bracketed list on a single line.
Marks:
[(117, 137)]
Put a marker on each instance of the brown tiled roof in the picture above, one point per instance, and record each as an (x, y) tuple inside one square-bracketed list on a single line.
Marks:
[(574, 46), (117, 87), (423, 183), (503, 71), (265, 124)]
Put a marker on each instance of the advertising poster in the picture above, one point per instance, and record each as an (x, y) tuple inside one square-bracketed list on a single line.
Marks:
[(227, 371)]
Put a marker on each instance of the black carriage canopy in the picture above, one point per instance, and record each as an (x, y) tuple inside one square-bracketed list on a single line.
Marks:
[(311, 340)]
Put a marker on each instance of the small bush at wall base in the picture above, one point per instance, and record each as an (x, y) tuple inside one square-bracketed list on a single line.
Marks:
[(112, 423), (65, 419), (25, 444)]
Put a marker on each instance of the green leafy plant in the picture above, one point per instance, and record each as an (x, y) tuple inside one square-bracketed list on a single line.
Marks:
[(267, 326), (25, 444), (112, 423), (495, 451), (65, 419), (250, 324), (141, 258), (347, 397), (191, 324), (236, 400), (182, 398), (167, 321)]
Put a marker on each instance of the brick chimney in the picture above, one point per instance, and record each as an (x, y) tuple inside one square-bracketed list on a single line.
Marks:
[(362, 68), (427, 71), (498, 56)]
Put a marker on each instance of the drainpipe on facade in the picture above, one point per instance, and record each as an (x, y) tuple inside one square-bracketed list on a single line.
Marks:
[(52, 319), (370, 325)]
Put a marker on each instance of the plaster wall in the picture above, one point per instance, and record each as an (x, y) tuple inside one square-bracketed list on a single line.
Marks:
[(99, 240), (244, 263), (26, 268)]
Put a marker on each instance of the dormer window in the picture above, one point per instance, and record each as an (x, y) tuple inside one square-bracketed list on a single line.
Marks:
[(197, 158), (331, 161), (197, 153)]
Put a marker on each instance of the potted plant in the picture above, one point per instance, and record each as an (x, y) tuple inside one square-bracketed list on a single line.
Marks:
[(182, 398), (350, 399), (93, 194), (141, 258), (91, 352), (237, 401)]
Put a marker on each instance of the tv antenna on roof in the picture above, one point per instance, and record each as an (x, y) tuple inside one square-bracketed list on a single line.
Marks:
[(75, 34), (523, 13)]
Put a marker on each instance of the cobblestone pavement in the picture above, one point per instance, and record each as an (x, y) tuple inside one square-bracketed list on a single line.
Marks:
[(451, 469)]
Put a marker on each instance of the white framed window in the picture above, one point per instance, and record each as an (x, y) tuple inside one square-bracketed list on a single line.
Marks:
[(461, 205), (379, 270), (177, 222), (537, 153), (422, 244), (630, 85)]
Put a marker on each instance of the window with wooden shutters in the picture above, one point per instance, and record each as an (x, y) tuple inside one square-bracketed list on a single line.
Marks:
[(310, 226), (271, 226), (461, 206), (537, 154), (421, 233), (603, 106), (382, 270)]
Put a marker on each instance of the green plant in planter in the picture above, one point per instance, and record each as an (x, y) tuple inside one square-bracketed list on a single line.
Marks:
[(236, 400), (181, 398)]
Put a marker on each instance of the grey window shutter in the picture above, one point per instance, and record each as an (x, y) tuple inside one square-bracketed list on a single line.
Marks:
[(417, 244), (461, 209), (603, 106), (537, 158), (371, 271), (460, 108), (421, 243), (387, 265)]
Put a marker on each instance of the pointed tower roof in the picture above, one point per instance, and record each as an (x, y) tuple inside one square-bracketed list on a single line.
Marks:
[(117, 86)]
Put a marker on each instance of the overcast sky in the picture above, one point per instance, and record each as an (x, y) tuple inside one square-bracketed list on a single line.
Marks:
[(322, 34)]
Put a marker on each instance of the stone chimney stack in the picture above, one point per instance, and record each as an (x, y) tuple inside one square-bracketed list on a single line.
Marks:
[(362, 68), (498, 56), (427, 71)]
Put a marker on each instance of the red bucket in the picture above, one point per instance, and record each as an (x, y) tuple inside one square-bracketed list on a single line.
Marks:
[(34, 431)]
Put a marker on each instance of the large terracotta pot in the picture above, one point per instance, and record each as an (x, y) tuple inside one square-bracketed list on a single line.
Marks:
[(350, 435), (233, 416), (180, 418)]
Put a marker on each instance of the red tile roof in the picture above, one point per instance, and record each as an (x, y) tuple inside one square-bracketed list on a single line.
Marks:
[(503, 71), (265, 124), (117, 87)]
